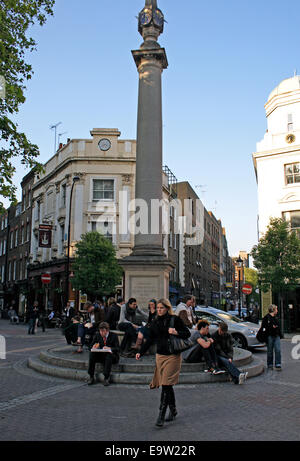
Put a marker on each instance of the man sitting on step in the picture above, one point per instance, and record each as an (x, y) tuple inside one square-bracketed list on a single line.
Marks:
[(203, 348), (223, 343), (105, 350)]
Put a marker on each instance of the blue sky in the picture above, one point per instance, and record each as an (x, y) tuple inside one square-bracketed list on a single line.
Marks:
[(225, 57)]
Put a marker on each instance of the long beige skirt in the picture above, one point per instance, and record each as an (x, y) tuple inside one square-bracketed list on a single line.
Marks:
[(167, 370)]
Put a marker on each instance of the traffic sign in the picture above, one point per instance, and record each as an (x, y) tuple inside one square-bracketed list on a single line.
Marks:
[(46, 278), (247, 289)]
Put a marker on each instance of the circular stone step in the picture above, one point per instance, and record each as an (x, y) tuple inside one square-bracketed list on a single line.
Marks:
[(60, 362)]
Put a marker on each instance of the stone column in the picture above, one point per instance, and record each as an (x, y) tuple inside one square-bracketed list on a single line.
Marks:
[(147, 268)]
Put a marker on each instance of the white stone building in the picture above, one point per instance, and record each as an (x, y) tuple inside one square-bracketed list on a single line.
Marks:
[(277, 158), (277, 168)]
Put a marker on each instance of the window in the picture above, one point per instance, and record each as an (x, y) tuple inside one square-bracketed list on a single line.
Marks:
[(9, 271), (290, 122), (293, 217), (16, 237), (1, 247), (38, 211), (103, 189), (20, 269), (292, 173), (63, 195), (15, 270), (4, 247), (28, 232), (62, 238), (50, 202), (22, 235), (104, 228), (11, 240)]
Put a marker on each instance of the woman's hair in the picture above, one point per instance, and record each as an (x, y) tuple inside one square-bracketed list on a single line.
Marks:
[(152, 301), (166, 303), (272, 308)]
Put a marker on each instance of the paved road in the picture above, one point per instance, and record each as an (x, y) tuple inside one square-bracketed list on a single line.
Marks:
[(37, 407)]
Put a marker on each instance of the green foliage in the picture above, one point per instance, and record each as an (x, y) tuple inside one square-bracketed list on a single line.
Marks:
[(277, 257), (96, 269), (251, 276), (16, 18)]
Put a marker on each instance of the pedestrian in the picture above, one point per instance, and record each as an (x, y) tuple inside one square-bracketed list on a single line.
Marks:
[(42, 318), (68, 314), (32, 316), (223, 344), (129, 324), (271, 328), (103, 340), (168, 364), (12, 315)]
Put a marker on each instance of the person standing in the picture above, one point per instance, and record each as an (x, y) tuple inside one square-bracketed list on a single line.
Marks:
[(271, 328), (42, 318), (184, 310), (32, 316), (168, 365), (69, 313), (104, 340)]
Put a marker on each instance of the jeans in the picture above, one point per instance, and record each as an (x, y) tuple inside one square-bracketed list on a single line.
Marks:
[(232, 369), (273, 344), (83, 331), (31, 325)]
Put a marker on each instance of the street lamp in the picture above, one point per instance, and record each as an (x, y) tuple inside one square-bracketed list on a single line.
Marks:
[(240, 264), (75, 179)]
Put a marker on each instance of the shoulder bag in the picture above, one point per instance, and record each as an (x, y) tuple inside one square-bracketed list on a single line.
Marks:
[(177, 344)]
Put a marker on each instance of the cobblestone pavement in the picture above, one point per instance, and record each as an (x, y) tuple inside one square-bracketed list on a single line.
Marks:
[(37, 407)]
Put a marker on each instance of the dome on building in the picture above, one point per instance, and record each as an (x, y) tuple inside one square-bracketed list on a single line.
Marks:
[(286, 86)]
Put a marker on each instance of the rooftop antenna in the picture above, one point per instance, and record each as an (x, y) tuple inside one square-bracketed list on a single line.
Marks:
[(295, 73), (59, 136), (54, 127)]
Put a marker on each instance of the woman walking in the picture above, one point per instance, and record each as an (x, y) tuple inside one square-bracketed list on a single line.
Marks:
[(168, 365)]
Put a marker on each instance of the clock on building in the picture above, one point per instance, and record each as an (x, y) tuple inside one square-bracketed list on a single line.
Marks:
[(290, 138), (104, 144)]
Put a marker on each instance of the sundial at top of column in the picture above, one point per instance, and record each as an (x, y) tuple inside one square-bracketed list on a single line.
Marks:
[(151, 17)]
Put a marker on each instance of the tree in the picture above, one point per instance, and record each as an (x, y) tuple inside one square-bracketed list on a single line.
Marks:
[(251, 277), (96, 269), (16, 18), (277, 259)]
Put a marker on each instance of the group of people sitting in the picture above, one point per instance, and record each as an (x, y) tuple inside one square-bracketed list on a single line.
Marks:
[(215, 350)]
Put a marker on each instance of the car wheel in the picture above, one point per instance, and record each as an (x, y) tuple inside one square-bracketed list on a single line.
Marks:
[(239, 341)]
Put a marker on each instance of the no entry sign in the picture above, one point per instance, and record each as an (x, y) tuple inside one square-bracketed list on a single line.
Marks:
[(46, 278), (247, 289)]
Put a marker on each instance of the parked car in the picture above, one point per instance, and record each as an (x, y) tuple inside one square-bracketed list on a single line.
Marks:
[(243, 333), (244, 313)]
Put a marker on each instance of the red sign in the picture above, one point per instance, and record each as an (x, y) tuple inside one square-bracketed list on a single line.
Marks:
[(45, 236), (46, 278), (247, 289)]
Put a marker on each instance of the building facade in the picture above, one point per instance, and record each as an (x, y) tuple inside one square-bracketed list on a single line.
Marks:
[(277, 168)]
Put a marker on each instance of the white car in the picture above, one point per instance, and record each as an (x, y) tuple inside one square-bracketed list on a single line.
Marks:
[(243, 333)]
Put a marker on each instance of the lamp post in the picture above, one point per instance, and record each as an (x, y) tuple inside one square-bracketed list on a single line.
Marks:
[(75, 179), (240, 265)]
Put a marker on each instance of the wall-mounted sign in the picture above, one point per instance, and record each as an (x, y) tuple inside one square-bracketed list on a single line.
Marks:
[(45, 235)]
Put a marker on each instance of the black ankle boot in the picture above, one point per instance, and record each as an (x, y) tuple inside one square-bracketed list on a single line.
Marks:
[(172, 413)]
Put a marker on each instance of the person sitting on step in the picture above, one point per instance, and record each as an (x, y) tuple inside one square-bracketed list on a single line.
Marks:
[(223, 344), (103, 340)]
